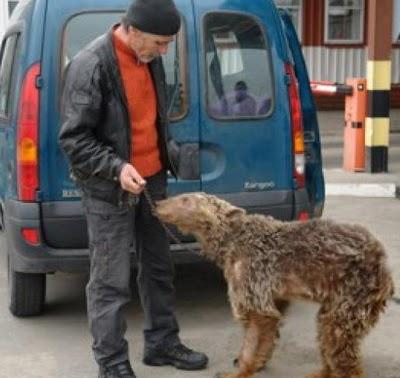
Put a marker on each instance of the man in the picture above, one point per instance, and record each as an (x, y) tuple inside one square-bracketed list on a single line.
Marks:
[(114, 135)]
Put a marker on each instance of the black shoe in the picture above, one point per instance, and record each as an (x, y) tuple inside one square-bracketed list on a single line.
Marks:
[(121, 370), (178, 355)]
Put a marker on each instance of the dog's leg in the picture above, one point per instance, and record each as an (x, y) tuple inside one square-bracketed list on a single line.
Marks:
[(340, 346), (253, 326), (259, 342), (268, 337), (325, 372), (269, 333)]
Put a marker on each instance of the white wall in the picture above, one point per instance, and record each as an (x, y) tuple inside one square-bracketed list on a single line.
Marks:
[(338, 64), (3, 16)]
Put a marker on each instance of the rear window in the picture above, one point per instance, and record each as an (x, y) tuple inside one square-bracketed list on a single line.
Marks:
[(238, 64), (8, 67), (84, 28)]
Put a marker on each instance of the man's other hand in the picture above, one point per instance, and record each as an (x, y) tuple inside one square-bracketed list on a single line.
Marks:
[(131, 180)]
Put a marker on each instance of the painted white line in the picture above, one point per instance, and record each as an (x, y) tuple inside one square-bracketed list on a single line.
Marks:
[(361, 190)]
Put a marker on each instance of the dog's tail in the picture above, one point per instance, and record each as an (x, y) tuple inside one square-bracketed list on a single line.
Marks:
[(384, 278), (381, 295), (380, 283)]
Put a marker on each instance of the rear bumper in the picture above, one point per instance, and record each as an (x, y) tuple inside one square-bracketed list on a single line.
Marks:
[(41, 258), (62, 224)]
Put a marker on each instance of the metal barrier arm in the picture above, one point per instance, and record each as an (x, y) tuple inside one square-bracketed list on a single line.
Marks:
[(329, 88), (355, 91)]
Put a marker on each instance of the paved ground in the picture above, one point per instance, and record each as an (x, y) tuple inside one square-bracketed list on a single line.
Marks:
[(331, 129), (57, 344)]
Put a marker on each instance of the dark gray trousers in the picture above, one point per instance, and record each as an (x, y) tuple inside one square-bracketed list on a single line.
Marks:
[(113, 234)]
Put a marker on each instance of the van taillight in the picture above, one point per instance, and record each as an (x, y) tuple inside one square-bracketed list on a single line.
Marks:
[(27, 137), (31, 235), (297, 127)]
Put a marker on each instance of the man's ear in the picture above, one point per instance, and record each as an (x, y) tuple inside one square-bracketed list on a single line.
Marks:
[(135, 31)]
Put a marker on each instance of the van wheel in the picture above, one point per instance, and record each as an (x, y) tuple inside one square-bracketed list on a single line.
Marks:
[(26, 292)]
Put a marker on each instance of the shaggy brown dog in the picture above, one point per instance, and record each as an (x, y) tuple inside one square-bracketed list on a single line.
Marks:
[(341, 266)]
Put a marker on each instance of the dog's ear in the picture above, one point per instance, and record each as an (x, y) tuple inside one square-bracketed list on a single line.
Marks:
[(235, 212), (234, 215)]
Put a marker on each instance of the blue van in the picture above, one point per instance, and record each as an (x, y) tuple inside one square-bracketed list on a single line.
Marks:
[(241, 109)]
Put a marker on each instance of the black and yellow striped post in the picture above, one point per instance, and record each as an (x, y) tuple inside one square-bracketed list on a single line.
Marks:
[(377, 124)]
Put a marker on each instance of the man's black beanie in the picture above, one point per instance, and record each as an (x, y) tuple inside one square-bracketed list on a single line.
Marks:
[(154, 16)]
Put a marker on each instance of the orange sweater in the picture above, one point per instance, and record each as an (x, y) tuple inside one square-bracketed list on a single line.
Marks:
[(142, 105)]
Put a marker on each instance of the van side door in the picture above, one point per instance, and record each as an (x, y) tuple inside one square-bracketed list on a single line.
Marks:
[(245, 128), (314, 175)]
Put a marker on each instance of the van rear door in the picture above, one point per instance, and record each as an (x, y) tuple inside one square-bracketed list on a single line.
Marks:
[(314, 176), (69, 27), (67, 30), (246, 152)]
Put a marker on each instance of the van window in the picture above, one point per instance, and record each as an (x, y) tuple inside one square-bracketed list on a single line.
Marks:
[(8, 68), (175, 64), (84, 28), (238, 64)]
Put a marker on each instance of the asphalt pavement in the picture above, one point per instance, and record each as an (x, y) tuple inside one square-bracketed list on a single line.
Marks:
[(57, 344)]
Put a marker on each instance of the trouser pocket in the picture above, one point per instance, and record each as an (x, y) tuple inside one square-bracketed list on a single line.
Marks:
[(111, 238)]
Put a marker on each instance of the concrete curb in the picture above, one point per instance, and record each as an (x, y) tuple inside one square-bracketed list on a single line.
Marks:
[(385, 190), (361, 184)]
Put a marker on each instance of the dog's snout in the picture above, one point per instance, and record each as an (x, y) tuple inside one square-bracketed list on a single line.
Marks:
[(160, 203)]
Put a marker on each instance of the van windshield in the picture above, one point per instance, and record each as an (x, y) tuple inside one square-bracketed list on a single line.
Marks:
[(238, 67), (83, 28)]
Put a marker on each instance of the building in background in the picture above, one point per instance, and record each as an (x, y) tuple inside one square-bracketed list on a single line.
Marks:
[(333, 34)]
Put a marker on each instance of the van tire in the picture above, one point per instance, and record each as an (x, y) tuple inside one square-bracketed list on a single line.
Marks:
[(26, 292)]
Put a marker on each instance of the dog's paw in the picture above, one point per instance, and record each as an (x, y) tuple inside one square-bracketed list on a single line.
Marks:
[(313, 375), (319, 374), (225, 375)]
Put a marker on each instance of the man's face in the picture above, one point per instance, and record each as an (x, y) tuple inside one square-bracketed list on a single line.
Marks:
[(148, 46)]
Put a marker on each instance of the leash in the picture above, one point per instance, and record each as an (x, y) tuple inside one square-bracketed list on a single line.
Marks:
[(147, 193), (164, 226)]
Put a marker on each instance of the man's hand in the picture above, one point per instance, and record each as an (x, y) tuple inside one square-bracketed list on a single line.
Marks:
[(130, 179)]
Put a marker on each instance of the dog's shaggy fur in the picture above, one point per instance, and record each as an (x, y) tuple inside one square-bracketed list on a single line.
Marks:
[(341, 266)]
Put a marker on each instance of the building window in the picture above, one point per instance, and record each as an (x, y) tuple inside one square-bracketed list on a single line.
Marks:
[(11, 6), (396, 21), (294, 8), (344, 21)]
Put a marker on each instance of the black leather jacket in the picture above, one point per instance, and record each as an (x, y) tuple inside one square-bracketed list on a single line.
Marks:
[(95, 133)]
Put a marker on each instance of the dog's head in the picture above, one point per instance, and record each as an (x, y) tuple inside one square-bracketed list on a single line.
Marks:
[(197, 212)]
